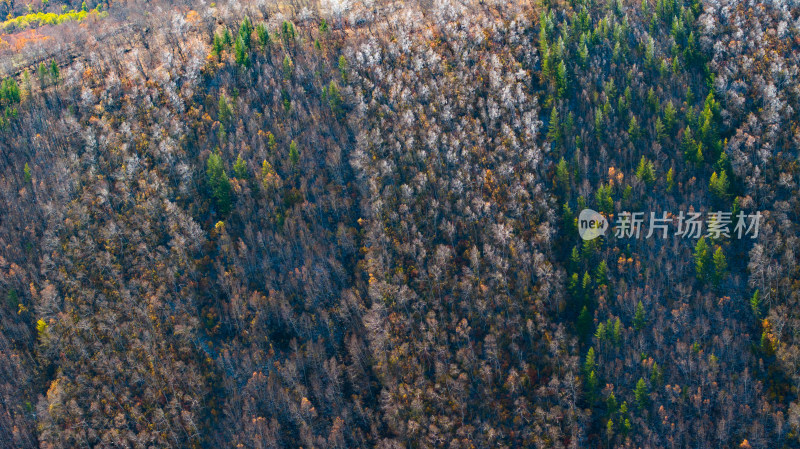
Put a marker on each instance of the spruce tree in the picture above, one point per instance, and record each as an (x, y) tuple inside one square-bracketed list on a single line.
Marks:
[(241, 52), (26, 174), (719, 185), (646, 172), (246, 32), (219, 184), (641, 394), (639, 319), (262, 35), (702, 259), (720, 267), (294, 155), (240, 168)]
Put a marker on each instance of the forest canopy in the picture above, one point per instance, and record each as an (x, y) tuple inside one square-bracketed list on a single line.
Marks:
[(346, 224)]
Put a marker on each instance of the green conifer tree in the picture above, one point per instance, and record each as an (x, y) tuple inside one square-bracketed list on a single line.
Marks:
[(240, 168), (219, 184), (640, 393)]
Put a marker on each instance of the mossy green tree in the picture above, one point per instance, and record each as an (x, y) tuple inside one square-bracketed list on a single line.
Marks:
[(9, 97), (584, 323), (670, 180), (554, 128), (217, 46), (224, 111), (656, 375), (55, 73), (702, 260), (612, 405), (592, 382), (241, 52), (605, 203), (294, 154), (707, 122), (670, 117), (641, 394), (288, 67), (333, 96), (9, 92), (646, 172), (287, 100), (599, 122), (719, 185), (590, 362), (42, 72), (561, 79), (661, 130), (343, 68), (562, 175), (633, 128), (639, 318), (601, 273), (218, 184), (25, 83), (583, 53), (287, 32), (755, 304), (720, 267), (262, 34), (240, 168), (689, 145), (246, 32), (26, 174)]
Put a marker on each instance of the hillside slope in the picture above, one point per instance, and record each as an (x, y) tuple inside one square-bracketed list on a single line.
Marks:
[(352, 225)]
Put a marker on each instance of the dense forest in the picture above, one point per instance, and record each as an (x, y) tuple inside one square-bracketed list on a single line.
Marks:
[(355, 224)]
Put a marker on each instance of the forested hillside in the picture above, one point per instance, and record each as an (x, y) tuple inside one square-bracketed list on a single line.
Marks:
[(330, 225)]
